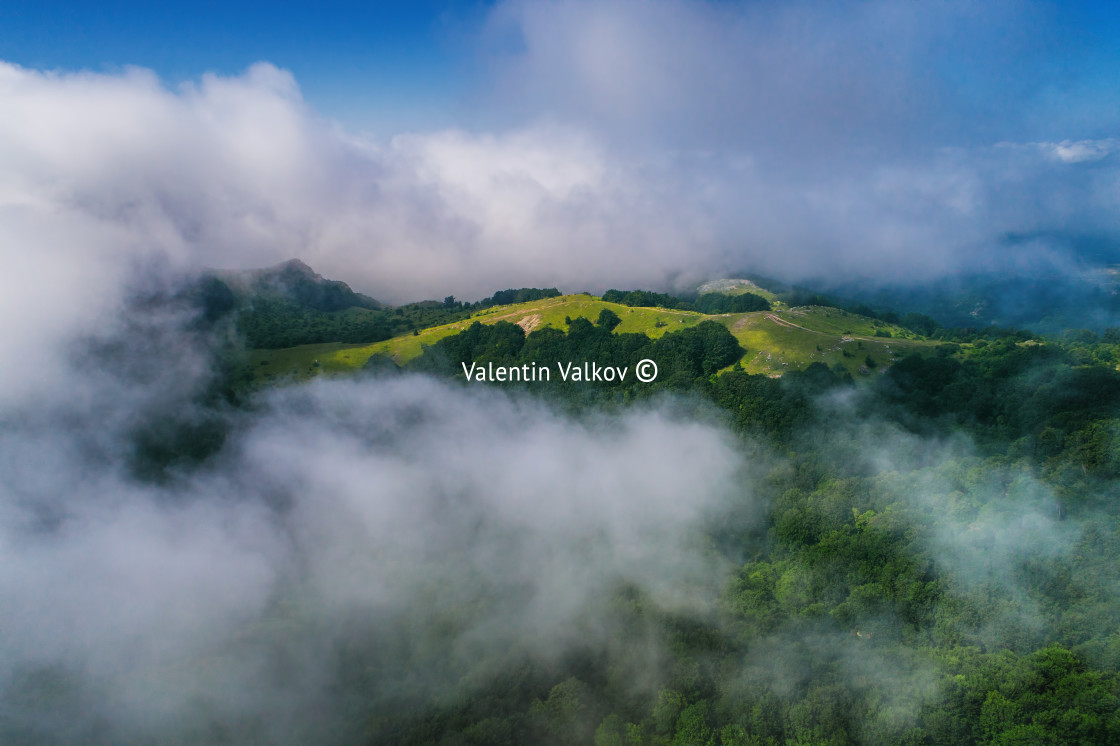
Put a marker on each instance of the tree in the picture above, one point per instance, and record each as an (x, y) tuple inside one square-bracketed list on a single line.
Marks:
[(692, 726), (608, 319)]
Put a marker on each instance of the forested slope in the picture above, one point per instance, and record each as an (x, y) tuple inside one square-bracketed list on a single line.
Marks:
[(936, 561), (926, 555)]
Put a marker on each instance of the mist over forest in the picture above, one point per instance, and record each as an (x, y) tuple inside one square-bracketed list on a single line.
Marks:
[(249, 494), (401, 556)]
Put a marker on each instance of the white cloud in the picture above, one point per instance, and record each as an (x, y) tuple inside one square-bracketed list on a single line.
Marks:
[(634, 145), (1068, 151), (336, 514)]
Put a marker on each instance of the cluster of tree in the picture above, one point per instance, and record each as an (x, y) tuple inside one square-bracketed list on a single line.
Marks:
[(682, 357), (985, 334), (721, 303), (502, 298), (707, 303), (273, 322), (643, 299), (521, 295)]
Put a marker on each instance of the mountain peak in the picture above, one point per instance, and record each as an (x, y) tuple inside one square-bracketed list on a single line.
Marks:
[(295, 266)]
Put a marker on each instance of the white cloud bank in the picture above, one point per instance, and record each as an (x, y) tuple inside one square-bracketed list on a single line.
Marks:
[(632, 145), (445, 530)]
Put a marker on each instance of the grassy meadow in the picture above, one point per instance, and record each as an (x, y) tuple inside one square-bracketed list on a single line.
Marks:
[(776, 341)]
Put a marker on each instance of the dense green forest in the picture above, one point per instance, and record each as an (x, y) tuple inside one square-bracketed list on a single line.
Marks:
[(953, 525), (927, 556), (288, 312), (705, 303), (683, 357), (274, 323)]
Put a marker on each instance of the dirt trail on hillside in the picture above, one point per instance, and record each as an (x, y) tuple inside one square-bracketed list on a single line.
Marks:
[(791, 325), (531, 322), (511, 312)]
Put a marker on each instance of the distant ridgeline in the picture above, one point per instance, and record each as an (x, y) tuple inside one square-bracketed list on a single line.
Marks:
[(706, 303), (290, 304), (1044, 302), (919, 323), (718, 303), (916, 322)]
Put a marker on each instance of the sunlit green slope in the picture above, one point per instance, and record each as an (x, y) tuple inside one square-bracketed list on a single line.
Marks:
[(792, 339), (776, 341)]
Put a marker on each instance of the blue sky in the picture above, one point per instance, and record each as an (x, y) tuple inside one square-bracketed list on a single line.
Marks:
[(411, 65), (402, 64), (427, 149)]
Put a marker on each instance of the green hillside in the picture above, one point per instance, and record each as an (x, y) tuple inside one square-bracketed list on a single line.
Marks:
[(776, 341), (729, 286), (783, 340)]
